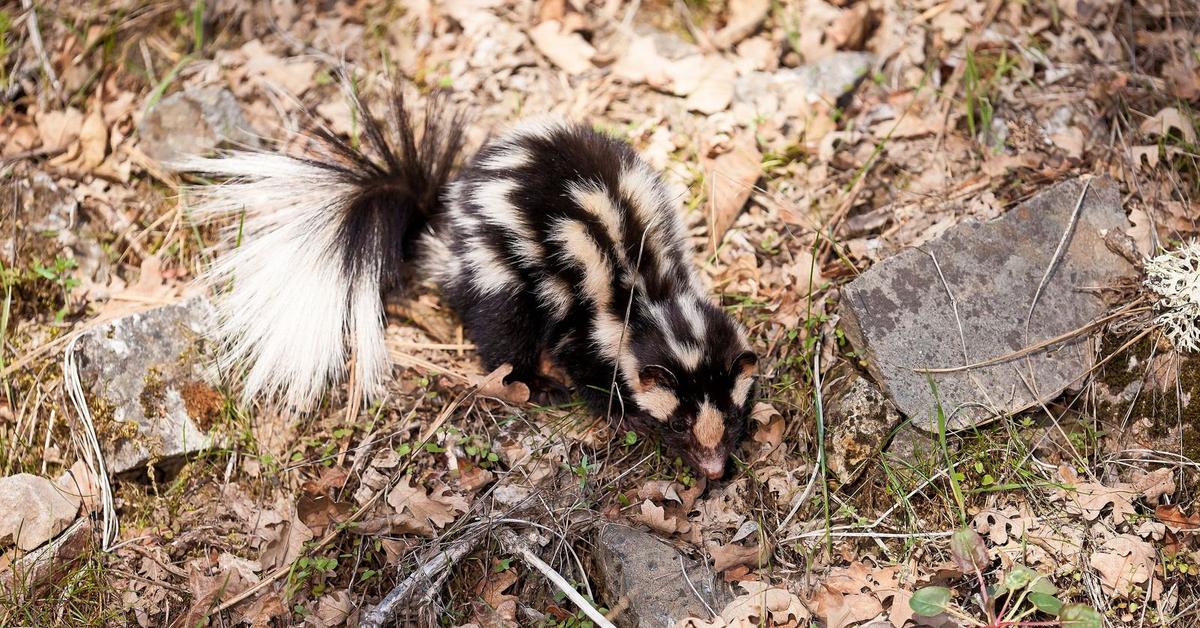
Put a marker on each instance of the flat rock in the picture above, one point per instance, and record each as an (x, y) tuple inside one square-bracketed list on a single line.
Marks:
[(149, 383), (858, 419), (194, 122), (646, 573), (901, 318)]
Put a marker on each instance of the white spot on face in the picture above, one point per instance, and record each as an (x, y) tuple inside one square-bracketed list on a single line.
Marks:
[(507, 158), (658, 402), (710, 426)]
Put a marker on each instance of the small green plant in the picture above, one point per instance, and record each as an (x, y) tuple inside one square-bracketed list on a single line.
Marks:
[(981, 92), (1024, 592), (59, 274), (313, 571), (583, 470)]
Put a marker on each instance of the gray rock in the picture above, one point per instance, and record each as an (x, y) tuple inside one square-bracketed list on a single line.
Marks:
[(637, 568), (149, 384), (900, 317), (858, 419), (826, 79), (194, 122)]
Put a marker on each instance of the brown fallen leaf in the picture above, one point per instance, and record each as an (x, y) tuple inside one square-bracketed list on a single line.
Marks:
[(1174, 518), (841, 609), (492, 385), (760, 605), (569, 51), (59, 130), (434, 509), (1155, 484), (1125, 562), (733, 554), (496, 608), (654, 517), (745, 16), (33, 510), (93, 142), (729, 181), (1167, 120)]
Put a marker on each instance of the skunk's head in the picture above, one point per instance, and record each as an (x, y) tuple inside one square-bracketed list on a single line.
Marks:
[(695, 380)]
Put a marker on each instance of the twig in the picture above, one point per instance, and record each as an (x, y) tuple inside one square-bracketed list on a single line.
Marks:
[(1058, 251), (35, 38), (512, 544), (688, 579), (1063, 337), (384, 613)]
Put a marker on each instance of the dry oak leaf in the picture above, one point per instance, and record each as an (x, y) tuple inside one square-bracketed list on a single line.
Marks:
[(1174, 518), (492, 385), (434, 509), (1155, 484), (93, 142), (1163, 122), (842, 609), (1090, 499), (333, 609), (654, 517), (33, 510), (744, 18), (760, 605), (1124, 562), (495, 607), (730, 180), (996, 523), (733, 555)]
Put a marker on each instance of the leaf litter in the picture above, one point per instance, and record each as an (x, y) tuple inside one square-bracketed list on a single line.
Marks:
[(963, 109)]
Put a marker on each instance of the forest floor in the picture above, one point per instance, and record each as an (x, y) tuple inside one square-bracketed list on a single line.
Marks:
[(918, 116)]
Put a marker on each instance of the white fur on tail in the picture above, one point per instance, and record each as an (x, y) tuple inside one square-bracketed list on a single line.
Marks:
[(287, 310)]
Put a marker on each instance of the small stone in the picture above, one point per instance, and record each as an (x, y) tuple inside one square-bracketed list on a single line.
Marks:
[(900, 316), (827, 79), (646, 574), (149, 383), (41, 206), (194, 122), (858, 419)]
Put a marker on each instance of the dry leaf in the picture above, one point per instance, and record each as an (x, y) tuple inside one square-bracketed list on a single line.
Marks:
[(1174, 518), (333, 609), (492, 385), (93, 142), (732, 555), (59, 129), (729, 182), (1163, 122), (745, 16), (760, 605), (437, 509), (1126, 561), (569, 51), (996, 523), (1155, 484), (654, 517), (33, 510)]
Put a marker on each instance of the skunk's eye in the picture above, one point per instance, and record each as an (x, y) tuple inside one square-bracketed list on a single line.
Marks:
[(679, 424)]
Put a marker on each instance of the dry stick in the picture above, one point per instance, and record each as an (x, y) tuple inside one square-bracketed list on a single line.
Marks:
[(283, 570), (1062, 244), (35, 37), (511, 543), (1033, 348), (385, 612)]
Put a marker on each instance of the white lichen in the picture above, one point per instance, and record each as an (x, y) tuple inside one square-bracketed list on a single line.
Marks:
[(1175, 277)]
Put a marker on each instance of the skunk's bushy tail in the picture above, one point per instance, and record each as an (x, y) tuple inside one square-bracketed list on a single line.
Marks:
[(315, 241)]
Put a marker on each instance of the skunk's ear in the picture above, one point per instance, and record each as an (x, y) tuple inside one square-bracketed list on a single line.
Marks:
[(653, 375), (745, 365)]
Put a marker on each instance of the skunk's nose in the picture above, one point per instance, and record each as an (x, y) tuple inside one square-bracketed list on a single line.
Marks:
[(712, 468)]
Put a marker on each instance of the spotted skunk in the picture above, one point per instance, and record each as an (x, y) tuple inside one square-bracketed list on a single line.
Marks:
[(554, 241)]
